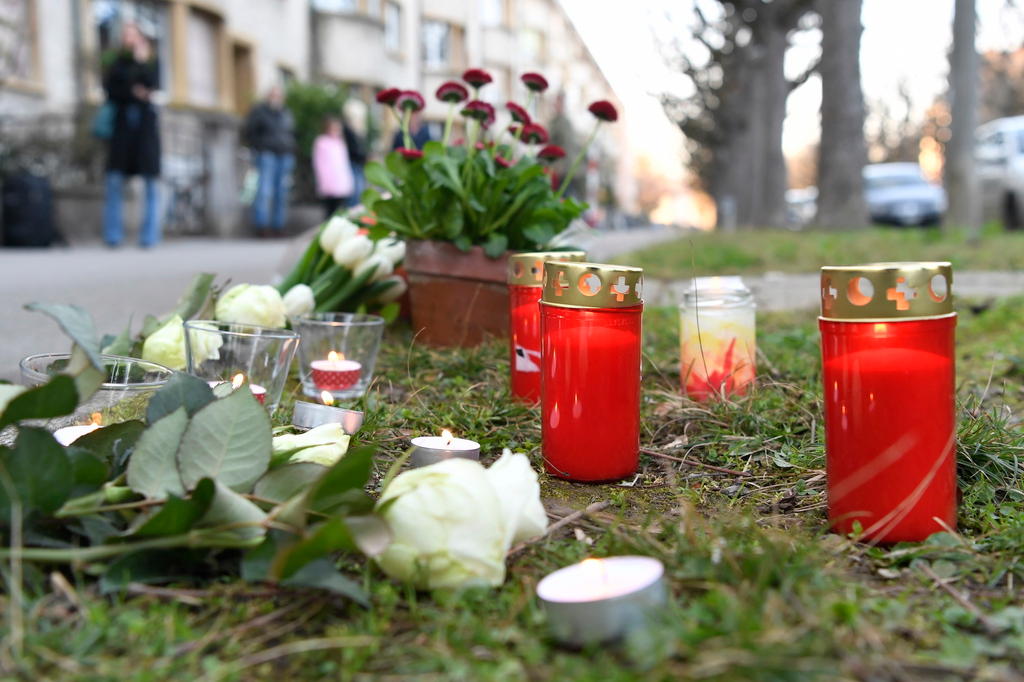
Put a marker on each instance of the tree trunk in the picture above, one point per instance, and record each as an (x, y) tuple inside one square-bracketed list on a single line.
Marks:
[(842, 152), (770, 188), (961, 181)]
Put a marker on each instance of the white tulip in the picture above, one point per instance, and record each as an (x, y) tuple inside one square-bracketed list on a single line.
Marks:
[(325, 445), (166, 346), (393, 292), (299, 301), (352, 251), (252, 304), (337, 230), (447, 527), (519, 493), (392, 249), (384, 267)]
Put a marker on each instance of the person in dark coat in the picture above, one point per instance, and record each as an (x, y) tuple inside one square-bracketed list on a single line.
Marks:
[(134, 145), (270, 134)]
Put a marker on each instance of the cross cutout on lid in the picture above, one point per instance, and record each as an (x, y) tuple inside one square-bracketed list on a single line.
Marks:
[(620, 289), (560, 284), (902, 294), (828, 294)]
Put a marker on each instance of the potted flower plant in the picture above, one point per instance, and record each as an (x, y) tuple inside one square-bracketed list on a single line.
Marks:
[(463, 205)]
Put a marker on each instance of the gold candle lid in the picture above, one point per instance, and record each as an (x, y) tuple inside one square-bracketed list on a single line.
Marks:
[(592, 285), (886, 291), (527, 269)]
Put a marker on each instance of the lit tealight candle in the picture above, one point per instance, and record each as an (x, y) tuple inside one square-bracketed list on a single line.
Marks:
[(258, 391), (432, 449), (310, 415), (602, 600), (335, 373), (69, 434)]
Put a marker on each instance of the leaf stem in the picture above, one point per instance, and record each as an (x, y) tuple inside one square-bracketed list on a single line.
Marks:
[(576, 162)]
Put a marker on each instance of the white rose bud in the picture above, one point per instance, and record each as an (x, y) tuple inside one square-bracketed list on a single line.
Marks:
[(299, 301), (252, 304), (515, 481), (337, 230), (393, 292), (384, 267), (324, 445), (447, 527), (351, 252), (392, 249), (166, 345)]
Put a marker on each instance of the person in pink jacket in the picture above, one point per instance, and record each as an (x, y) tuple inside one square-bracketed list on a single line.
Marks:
[(334, 181)]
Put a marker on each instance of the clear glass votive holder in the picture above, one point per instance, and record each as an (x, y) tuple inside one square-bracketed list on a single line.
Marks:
[(338, 353), (220, 351), (123, 396)]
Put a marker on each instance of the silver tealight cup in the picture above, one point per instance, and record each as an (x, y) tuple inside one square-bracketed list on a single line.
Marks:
[(432, 449), (311, 415)]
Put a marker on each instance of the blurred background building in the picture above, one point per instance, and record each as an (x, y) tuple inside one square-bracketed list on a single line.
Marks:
[(218, 56)]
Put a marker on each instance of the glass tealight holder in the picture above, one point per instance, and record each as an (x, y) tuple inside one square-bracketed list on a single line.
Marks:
[(718, 345), (225, 352), (338, 353), (123, 396)]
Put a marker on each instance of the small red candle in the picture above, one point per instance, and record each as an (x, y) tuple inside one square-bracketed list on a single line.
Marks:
[(590, 370), (335, 373), (258, 392), (887, 334), (525, 277)]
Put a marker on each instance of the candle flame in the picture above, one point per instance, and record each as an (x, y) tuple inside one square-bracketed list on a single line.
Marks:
[(326, 398), (237, 380), (96, 419), (448, 437), (335, 356), (596, 573)]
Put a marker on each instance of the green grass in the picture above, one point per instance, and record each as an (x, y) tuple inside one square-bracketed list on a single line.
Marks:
[(774, 250), (759, 590)]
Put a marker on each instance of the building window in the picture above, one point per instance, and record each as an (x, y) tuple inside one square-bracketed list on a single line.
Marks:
[(373, 8), (492, 12), (393, 26), (437, 44), (203, 59), (151, 18), (531, 45), (335, 5), (18, 35)]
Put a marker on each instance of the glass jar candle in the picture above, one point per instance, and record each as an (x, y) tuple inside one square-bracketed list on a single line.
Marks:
[(887, 344), (590, 324), (525, 277), (717, 338)]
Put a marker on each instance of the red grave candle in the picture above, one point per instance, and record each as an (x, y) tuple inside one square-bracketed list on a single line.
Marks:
[(887, 339), (590, 370), (525, 277)]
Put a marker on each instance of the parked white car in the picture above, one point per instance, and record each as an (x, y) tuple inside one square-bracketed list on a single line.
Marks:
[(898, 194), (999, 159)]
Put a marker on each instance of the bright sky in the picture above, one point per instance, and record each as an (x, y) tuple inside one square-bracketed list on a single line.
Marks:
[(903, 40)]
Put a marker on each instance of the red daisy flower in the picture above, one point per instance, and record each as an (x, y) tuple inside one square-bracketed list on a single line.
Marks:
[(519, 114), (409, 99), (480, 146), (410, 154), (604, 110), (535, 134), (551, 152), (477, 77), (388, 96), (534, 81), (503, 162), (513, 130), (479, 110), (452, 92)]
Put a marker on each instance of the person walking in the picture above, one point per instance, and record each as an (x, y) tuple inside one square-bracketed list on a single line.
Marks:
[(270, 134), (332, 167), (134, 145)]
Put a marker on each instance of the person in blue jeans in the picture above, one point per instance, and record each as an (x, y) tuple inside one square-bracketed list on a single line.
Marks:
[(270, 133), (134, 145)]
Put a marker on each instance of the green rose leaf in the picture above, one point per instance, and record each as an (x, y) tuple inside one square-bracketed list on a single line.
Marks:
[(88, 471), (149, 567), (231, 509), (55, 398), (121, 344), (322, 575), (76, 323), (340, 489), (38, 471), (178, 515), (193, 300), (113, 444), (287, 481), (153, 467), (181, 390), (320, 540), (229, 441)]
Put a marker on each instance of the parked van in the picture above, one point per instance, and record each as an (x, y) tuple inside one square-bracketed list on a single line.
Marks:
[(999, 159)]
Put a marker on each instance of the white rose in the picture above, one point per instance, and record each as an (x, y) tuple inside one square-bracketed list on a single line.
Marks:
[(351, 251), (325, 445), (383, 267), (515, 481), (392, 249), (393, 292), (9, 392), (299, 301), (166, 346), (337, 230), (252, 304), (447, 527)]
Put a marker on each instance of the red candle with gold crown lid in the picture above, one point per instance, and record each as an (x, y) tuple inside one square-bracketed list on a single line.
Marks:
[(887, 341), (590, 370), (525, 277)]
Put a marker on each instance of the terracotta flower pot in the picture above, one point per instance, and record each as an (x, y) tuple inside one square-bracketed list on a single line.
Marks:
[(458, 298)]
